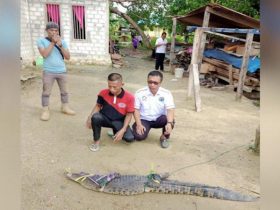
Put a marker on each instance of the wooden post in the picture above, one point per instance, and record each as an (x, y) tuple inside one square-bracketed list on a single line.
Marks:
[(172, 49), (230, 75), (244, 66), (190, 85), (205, 23), (206, 17), (111, 50), (257, 140), (194, 60), (198, 49), (196, 87)]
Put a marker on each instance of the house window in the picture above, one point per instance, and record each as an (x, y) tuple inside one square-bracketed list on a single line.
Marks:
[(79, 29), (53, 14)]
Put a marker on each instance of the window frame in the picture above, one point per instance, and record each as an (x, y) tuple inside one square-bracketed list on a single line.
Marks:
[(72, 25)]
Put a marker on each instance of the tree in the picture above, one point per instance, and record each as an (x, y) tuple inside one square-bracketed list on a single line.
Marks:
[(152, 13), (247, 7), (132, 22)]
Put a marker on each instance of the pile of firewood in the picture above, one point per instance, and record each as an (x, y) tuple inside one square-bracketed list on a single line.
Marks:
[(183, 59), (183, 53)]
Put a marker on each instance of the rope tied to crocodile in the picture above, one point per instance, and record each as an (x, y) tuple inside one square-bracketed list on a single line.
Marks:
[(99, 180)]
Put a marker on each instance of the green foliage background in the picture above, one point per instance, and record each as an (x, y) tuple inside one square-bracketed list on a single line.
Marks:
[(152, 13)]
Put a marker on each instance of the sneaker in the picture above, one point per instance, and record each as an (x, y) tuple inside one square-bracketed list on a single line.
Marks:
[(164, 143), (94, 147)]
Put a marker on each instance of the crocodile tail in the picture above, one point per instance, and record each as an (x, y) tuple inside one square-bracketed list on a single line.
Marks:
[(199, 190), (220, 193)]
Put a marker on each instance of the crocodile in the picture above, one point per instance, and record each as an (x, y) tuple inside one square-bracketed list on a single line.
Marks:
[(134, 184)]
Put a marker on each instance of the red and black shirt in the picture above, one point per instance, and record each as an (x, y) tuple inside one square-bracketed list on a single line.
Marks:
[(115, 107)]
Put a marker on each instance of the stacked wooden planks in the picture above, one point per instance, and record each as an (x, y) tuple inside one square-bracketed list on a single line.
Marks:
[(230, 74)]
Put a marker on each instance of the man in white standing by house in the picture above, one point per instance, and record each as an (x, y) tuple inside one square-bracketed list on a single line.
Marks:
[(54, 50), (160, 46)]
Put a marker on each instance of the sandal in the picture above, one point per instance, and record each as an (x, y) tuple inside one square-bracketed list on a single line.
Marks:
[(164, 143), (94, 147)]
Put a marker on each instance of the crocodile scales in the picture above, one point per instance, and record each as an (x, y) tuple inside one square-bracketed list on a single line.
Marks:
[(135, 184)]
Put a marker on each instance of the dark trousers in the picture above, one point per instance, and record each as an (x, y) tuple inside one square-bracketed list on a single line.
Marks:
[(98, 120), (159, 61), (159, 123)]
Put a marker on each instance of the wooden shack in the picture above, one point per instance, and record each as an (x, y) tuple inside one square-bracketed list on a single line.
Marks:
[(219, 20)]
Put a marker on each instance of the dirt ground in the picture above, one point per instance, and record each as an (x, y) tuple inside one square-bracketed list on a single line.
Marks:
[(48, 148)]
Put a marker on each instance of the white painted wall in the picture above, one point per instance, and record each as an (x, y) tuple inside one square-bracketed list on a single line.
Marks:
[(92, 50)]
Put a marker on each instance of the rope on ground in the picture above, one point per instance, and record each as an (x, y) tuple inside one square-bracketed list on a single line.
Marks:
[(208, 161)]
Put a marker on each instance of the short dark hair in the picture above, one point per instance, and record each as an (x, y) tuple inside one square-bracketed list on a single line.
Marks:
[(156, 73), (163, 33), (51, 24), (115, 77)]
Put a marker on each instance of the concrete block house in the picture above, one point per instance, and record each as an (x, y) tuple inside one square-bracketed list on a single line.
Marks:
[(84, 25)]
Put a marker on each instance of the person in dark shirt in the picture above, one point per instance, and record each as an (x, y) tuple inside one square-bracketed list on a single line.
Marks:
[(114, 109)]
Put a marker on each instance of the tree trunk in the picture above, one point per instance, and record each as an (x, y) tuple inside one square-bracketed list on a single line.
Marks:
[(137, 28)]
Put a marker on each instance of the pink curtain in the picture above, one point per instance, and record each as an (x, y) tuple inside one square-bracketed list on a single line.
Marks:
[(79, 13), (53, 12)]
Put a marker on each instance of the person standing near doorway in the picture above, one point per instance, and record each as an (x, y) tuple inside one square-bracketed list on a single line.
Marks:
[(160, 46)]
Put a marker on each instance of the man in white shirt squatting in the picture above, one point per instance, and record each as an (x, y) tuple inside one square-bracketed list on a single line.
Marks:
[(154, 108)]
